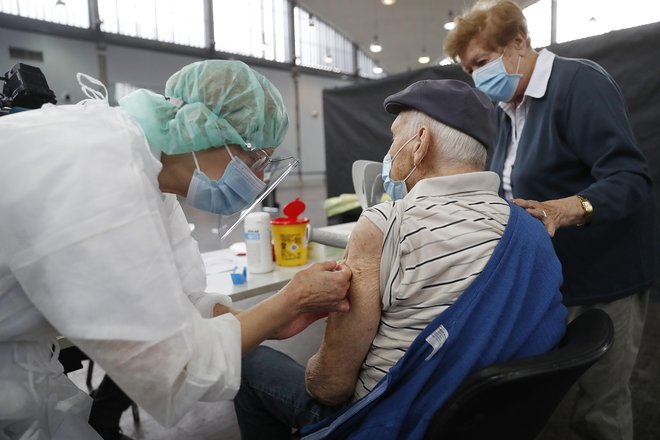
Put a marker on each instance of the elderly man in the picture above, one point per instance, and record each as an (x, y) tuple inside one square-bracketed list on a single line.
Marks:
[(447, 278)]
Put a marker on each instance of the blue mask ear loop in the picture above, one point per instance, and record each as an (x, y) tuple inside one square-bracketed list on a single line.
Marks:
[(229, 152), (196, 163), (403, 146), (397, 153), (518, 67)]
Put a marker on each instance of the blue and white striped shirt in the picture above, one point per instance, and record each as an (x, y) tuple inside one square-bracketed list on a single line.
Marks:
[(437, 241)]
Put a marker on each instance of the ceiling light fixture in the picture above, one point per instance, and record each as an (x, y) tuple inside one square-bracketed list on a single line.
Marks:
[(388, 2), (450, 24), (375, 46), (377, 69), (60, 3), (311, 24), (423, 56), (327, 59)]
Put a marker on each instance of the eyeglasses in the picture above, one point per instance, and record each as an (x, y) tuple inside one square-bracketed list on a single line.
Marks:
[(262, 160), (278, 170)]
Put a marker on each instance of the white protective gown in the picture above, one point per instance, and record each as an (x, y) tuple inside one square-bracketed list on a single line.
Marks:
[(90, 249)]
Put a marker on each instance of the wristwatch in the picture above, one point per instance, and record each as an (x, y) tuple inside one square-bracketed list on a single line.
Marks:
[(587, 208)]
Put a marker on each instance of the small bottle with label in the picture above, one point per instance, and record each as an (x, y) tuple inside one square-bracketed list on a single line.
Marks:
[(257, 236)]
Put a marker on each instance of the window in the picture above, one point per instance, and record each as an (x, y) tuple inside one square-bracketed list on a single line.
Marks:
[(69, 12), (320, 46), (256, 28), (539, 18), (584, 18), (170, 21), (19, 53)]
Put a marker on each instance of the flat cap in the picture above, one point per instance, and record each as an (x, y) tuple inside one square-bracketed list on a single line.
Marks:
[(451, 102)]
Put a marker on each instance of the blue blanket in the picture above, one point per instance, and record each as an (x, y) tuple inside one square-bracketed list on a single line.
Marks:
[(512, 310)]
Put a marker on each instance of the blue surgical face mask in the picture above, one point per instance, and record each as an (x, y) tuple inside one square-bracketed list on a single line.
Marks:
[(495, 81), (396, 189), (235, 190)]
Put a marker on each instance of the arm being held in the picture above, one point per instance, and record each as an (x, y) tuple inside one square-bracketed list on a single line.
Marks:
[(309, 296), (332, 373)]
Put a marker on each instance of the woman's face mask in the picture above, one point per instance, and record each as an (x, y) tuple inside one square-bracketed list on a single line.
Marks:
[(495, 81), (396, 189), (235, 190)]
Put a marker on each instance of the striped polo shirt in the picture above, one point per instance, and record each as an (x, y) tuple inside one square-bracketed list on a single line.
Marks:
[(437, 240)]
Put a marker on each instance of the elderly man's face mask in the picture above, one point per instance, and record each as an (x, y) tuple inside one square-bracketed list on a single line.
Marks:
[(396, 189)]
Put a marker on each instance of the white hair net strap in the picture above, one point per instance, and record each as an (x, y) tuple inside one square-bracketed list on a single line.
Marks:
[(214, 102)]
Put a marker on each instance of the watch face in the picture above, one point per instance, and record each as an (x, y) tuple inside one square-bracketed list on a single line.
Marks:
[(587, 208)]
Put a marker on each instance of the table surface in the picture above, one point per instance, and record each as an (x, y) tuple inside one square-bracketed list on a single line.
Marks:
[(257, 284)]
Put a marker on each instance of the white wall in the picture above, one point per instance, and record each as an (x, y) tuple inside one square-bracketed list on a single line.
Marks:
[(64, 57), (312, 136), (143, 68)]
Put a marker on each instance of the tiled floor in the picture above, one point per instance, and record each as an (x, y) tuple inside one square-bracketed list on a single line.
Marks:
[(217, 421)]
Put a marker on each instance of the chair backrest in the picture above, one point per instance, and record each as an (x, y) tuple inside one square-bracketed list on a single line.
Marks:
[(367, 182), (515, 399)]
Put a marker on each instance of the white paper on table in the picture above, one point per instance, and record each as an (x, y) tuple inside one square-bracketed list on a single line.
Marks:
[(223, 260)]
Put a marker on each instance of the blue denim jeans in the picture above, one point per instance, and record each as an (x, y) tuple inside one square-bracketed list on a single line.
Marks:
[(273, 399)]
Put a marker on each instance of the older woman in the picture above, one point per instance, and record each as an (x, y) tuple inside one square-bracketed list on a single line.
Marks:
[(566, 152)]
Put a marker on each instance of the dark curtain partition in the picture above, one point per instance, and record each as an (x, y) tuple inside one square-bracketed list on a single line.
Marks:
[(357, 126)]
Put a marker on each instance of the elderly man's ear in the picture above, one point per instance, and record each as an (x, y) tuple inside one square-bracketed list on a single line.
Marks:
[(422, 147)]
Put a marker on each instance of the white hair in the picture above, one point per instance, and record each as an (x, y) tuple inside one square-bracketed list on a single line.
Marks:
[(455, 147)]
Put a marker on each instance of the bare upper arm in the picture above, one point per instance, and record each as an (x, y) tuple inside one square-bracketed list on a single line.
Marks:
[(332, 372)]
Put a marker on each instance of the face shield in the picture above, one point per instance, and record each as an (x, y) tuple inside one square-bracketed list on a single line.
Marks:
[(273, 169)]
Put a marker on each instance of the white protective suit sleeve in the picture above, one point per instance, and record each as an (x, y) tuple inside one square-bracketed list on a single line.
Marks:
[(88, 242), (189, 261)]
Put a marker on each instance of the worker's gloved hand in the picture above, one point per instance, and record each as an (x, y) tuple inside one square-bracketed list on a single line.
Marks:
[(322, 287), (205, 302)]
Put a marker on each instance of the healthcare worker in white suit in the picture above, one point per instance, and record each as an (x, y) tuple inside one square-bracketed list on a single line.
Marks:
[(94, 247)]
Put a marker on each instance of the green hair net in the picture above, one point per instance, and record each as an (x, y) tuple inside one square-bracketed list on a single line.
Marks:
[(209, 104)]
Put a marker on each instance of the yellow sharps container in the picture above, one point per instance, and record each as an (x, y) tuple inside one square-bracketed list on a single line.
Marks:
[(291, 235)]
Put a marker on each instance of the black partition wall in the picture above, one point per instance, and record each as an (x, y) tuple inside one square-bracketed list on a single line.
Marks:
[(357, 126)]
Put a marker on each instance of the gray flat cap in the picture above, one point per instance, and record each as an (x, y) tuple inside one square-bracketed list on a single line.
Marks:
[(452, 102)]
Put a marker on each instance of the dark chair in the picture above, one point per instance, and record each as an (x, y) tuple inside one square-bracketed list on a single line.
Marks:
[(71, 358), (515, 399)]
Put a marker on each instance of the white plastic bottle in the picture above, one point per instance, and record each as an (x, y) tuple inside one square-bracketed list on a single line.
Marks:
[(257, 236)]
